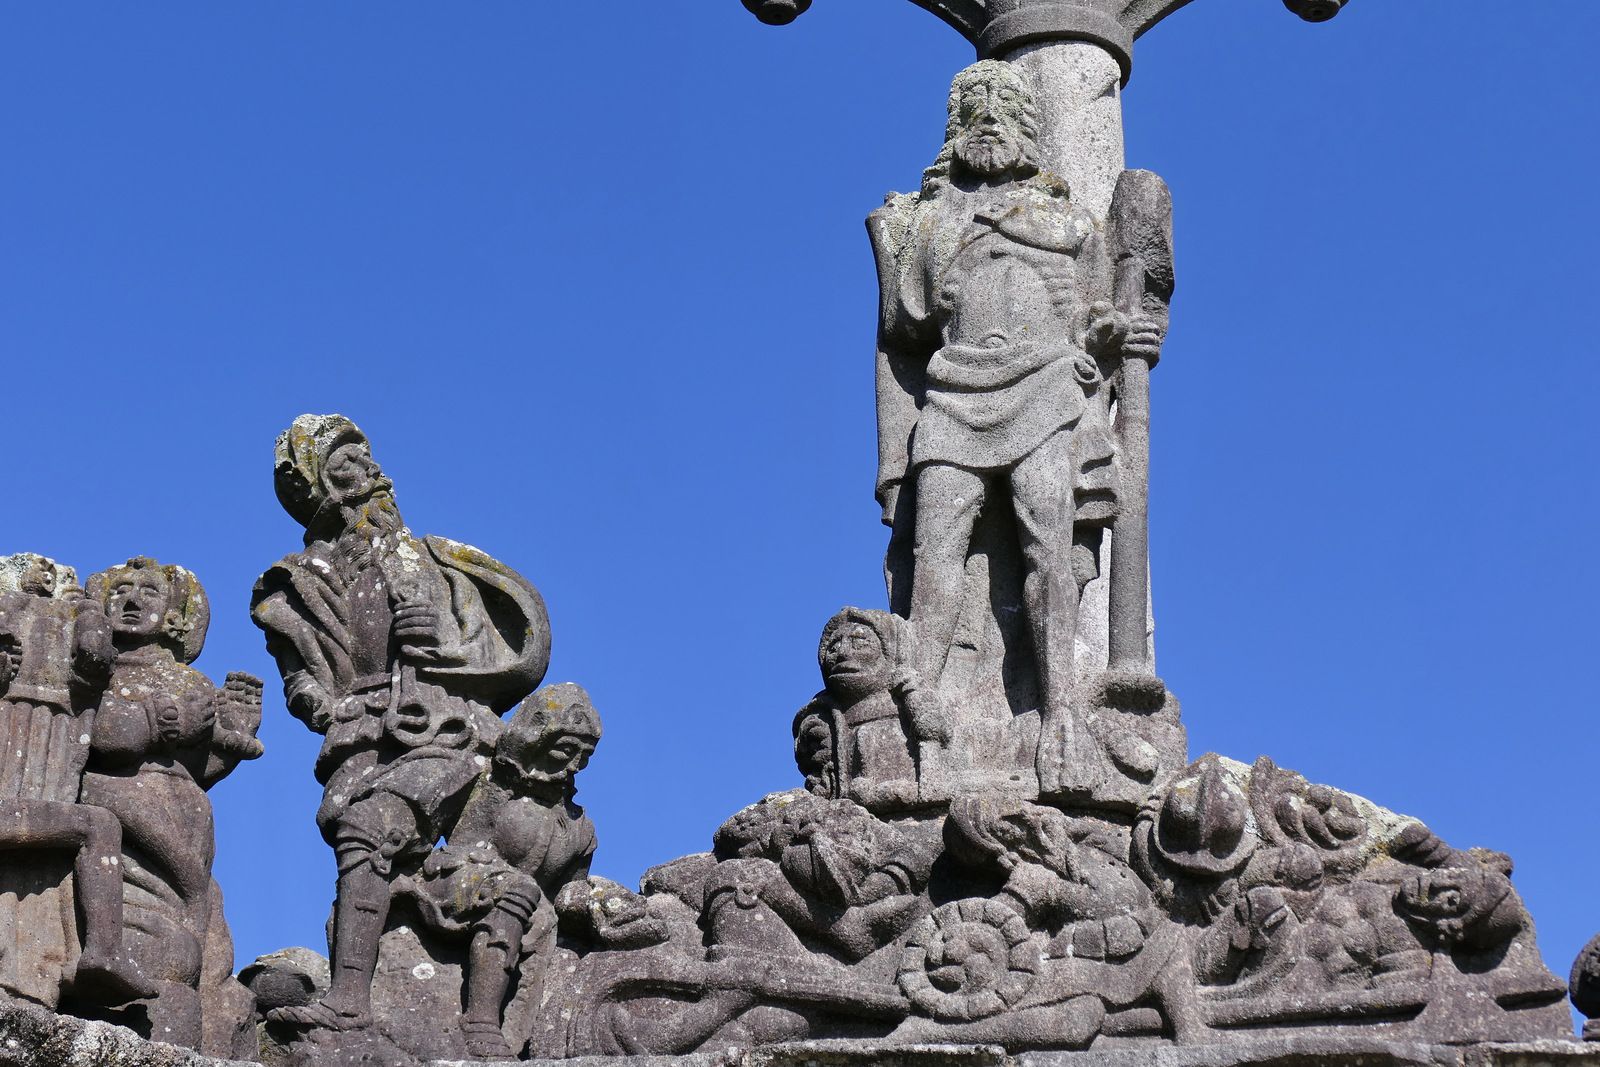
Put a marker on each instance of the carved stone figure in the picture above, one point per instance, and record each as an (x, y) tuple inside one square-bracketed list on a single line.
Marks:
[(402, 652), (163, 735), (998, 470), (519, 842), (880, 724), (1337, 909), (56, 654), (110, 742)]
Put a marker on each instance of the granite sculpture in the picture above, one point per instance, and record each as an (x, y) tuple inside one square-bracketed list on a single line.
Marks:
[(403, 653), (999, 844), (1001, 838), (997, 346), (112, 741)]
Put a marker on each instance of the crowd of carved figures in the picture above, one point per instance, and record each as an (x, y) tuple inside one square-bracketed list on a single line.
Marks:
[(1000, 837)]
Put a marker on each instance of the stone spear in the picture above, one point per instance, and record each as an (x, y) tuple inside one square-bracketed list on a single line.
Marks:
[(1140, 235)]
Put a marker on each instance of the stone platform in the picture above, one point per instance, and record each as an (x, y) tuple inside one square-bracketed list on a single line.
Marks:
[(30, 1037)]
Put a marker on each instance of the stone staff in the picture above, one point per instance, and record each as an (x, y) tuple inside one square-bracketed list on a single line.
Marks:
[(1141, 241)]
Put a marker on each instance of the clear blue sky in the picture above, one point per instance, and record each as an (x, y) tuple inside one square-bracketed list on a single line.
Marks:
[(593, 277)]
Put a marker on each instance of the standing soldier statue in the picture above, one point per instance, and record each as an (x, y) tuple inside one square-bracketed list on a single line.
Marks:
[(402, 652)]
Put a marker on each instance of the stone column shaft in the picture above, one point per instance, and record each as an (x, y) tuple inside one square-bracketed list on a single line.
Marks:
[(1079, 89)]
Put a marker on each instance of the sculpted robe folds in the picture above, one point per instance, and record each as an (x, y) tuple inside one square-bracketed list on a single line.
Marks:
[(983, 311)]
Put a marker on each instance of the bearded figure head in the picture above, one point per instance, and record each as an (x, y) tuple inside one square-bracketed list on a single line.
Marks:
[(993, 129), (328, 482), (548, 741)]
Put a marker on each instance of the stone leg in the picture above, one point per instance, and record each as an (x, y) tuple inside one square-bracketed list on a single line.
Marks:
[(360, 910), (491, 959), (105, 973), (361, 907), (1041, 493), (948, 502)]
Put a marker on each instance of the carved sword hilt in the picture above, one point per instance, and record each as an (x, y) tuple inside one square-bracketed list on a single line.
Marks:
[(998, 27)]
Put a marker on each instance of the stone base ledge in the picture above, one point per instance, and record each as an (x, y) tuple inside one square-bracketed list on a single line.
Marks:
[(32, 1037)]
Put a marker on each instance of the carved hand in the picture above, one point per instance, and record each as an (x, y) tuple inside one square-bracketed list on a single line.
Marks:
[(198, 717), (166, 720), (308, 702), (416, 624), (239, 715), (95, 651), (889, 497), (1143, 340), (1108, 328)]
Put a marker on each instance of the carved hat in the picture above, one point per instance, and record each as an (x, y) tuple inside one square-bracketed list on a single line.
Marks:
[(298, 456), (1202, 825), (188, 614)]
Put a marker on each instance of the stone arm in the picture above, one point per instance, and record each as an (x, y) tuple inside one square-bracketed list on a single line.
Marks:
[(181, 726), (93, 652), (299, 604), (305, 697), (903, 352), (899, 384), (890, 907)]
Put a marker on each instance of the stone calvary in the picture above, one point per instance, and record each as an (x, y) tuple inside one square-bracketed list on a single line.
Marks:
[(997, 840)]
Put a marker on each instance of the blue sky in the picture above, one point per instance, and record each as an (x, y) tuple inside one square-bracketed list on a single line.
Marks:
[(595, 282)]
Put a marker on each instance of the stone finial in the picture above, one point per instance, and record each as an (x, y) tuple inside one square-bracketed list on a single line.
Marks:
[(999, 27)]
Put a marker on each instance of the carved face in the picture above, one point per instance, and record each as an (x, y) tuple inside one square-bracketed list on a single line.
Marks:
[(40, 579), (350, 474), (853, 662), (137, 603), (813, 746), (543, 762), (988, 113), (1470, 905)]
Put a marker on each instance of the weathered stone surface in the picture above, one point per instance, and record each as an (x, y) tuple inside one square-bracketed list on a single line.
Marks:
[(31, 1037), (998, 843), (110, 742), (1003, 343), (404, 652)]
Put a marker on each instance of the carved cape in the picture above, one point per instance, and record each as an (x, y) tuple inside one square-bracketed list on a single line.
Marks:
[(497, 622)]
